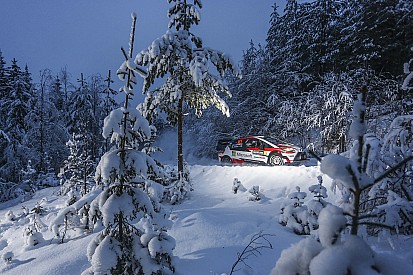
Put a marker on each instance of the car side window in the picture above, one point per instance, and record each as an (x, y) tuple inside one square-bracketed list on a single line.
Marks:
[(266, 145), (252, 143), (260, 144)]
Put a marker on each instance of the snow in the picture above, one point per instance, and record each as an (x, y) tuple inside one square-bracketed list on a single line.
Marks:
[(331, 222), (301, 253), (105, 256), (337, 167), (209, 228), (358, 128)]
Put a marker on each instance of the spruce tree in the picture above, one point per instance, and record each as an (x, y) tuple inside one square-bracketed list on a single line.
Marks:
[(15, 105), (108, 104), (181, 57), (134, 238)]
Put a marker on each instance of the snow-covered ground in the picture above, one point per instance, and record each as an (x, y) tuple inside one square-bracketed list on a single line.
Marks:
[(210, 228)]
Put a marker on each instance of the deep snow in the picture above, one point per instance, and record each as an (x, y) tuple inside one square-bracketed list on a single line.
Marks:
[(210, 227)]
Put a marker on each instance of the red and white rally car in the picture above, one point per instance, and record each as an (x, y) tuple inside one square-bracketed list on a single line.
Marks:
[(258, 149)]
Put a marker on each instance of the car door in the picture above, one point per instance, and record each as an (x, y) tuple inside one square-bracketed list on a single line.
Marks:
[(240, 151), (256, 147)]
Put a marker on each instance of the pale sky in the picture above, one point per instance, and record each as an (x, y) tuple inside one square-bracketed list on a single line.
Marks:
[(86, 35)]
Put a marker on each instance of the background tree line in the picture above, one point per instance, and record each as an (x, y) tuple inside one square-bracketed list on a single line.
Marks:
[(49, 127), (300, 86)]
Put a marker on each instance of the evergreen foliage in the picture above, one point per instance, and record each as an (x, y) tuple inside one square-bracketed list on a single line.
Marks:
[(182, 59), (300, 86), (37, 120), (355, 175), (134, 238)]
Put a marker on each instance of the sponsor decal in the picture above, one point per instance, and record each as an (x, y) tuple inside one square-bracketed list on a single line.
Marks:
[(258, 153), (260, 157), (242, 154)]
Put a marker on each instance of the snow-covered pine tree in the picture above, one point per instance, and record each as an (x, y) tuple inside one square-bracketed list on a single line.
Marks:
[(32, 231), (77, 171), (46, 131), (134, 238), (255, 194), (4, 91), (181, 57), (294, 213), (317, 204), (108, 104), (15, 103), (237, 185), (81, 125), (394, 194), (408, 70), (29, 178), (327, 110)]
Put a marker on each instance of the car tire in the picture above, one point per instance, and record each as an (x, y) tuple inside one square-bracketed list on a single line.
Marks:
[(275, 159), (226, 159)]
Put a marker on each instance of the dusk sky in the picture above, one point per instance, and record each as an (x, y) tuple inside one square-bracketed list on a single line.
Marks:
[(86, 36)]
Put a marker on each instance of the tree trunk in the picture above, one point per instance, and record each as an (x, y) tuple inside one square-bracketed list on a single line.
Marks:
[(180, 139), (359, 161), (84, 179)]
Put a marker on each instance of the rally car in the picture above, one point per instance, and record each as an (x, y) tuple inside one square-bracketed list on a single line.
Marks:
[(258, 149)]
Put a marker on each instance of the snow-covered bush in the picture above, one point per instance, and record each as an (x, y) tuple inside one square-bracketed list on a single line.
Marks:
[(75, 217), (237, 186), (294, 214), (38, 209), (303, 219), (32, 232), (315, 206), (179, 187), (297, 258), (72, 197), (66, 219), (255, 193), (10, 216), (7, 257)]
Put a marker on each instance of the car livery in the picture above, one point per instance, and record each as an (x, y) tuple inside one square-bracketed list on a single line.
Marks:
[(259, 149)]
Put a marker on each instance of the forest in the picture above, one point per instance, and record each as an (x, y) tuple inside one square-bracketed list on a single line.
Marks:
[(298, 88), (334, 77), (301, 85)]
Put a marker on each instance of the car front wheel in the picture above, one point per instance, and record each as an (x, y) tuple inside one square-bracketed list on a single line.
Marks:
[(275, 160)]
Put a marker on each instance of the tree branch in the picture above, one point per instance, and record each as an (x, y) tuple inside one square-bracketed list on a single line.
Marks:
[(314, 155), (389, 171), (377, 224), (257, 242)]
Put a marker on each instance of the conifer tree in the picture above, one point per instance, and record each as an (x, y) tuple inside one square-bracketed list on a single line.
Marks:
[(108, 104), (181, 57), (4, 139), (16, 104), (134, 238), (77, 171)]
